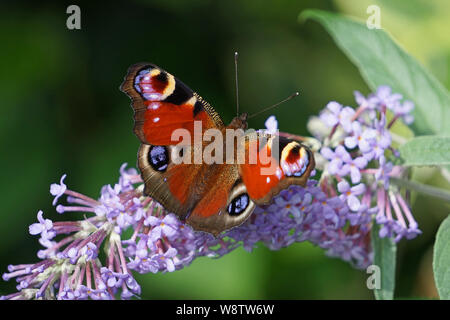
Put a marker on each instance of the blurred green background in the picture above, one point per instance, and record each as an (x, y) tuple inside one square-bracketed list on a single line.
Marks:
[(62, 112)]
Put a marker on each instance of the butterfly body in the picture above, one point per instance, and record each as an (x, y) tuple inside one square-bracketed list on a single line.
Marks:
[(210, 196)]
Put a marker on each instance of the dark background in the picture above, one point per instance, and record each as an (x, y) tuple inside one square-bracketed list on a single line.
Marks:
[(61, 112)]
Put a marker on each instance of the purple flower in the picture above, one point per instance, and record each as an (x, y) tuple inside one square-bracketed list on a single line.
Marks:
[(113, 279), (67, 294), (95, 294), (57, 190), (382, 140), (290, 207), (403, 111), (386, 98), (90, 251), (342, 163), (128, 177), (354, 166), (349, 194), (124, 220), (133, 286), (44, 227), (335, 114), (271, 125), (165, 261), (369, 104), (337, 159), (162, 227), (361, 138)]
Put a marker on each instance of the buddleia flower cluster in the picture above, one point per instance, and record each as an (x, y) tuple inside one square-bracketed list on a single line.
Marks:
[(123, 232), (359, 160)]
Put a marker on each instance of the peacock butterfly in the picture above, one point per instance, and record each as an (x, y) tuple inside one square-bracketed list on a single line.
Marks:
[(210, 197)]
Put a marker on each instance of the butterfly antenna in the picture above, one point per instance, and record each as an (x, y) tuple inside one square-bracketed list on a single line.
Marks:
[(274, 105), (236, 77)]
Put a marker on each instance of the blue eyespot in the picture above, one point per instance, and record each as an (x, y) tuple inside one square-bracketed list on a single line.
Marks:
[(158, 157), (238, 205)]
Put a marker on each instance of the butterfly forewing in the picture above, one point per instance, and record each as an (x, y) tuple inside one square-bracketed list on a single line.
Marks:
[(163, 104)]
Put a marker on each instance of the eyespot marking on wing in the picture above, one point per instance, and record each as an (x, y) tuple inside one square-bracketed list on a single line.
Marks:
[(158, 158), (294, 159), (154, 84), (238, 205)]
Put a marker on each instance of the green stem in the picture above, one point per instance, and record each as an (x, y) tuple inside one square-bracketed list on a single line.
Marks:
[(422, 188)]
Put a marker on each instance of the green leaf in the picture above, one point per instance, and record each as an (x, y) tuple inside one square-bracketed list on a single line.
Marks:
[(384, 250), (426, 151), (441, 260), (382, 62)]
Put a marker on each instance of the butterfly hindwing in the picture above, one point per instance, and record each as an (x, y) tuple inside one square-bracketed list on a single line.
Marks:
[(280, 162), (210, 198)]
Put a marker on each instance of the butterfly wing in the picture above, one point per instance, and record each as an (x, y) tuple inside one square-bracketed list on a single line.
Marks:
[(162, 104), (210, 198), (279, 163)]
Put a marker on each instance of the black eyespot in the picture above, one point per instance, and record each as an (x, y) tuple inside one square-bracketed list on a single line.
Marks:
[(238, 205), (158, 157)]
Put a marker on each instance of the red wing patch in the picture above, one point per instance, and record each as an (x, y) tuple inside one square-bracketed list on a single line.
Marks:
[(182, 183), (271, 173), (180, 179), (257, 184), (161, 119), (211, 203)]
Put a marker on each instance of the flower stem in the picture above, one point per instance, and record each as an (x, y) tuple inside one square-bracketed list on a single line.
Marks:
[(422, 188)]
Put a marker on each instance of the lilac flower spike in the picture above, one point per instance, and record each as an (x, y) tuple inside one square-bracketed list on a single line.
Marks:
[(335, 212), (361, 154)]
